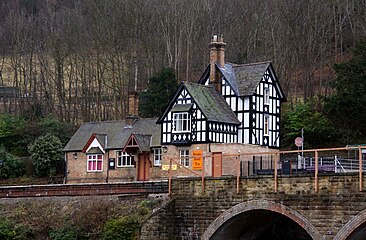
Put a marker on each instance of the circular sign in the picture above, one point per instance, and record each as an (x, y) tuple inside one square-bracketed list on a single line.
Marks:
[(298, 141)]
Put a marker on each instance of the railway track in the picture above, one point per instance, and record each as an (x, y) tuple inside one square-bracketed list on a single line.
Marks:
[(87, 189)]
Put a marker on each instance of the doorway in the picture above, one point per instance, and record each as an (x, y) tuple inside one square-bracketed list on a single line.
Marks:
[(143, 167), (216, 164)]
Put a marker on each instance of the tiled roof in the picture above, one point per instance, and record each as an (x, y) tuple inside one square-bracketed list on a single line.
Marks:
[(211, 103), (117, 133)]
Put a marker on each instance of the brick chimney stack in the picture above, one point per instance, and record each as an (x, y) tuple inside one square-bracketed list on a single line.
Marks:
[(133, 104), (217, 56)]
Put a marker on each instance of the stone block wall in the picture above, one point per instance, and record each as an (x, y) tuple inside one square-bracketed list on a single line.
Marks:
[(327, 212)]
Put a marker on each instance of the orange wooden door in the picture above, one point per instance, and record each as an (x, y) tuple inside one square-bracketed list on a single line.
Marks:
[(143, 172), (217, 164)]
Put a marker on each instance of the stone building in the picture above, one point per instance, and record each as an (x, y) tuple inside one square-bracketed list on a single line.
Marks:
[(231, 109)]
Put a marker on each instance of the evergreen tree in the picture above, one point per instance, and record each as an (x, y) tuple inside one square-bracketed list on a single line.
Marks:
[(347, 106), (318, 132), (161, 88)]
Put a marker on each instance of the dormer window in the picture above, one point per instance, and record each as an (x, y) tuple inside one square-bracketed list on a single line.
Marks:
[(181, 122), (266, 96)]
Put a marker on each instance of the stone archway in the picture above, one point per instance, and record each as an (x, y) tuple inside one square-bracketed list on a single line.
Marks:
[(258, 206), (353, 228)]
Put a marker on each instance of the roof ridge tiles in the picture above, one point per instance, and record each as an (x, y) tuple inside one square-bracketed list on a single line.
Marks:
[(249, 64)]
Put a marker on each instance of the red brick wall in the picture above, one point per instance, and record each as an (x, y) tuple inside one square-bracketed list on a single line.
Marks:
[(77, 168)]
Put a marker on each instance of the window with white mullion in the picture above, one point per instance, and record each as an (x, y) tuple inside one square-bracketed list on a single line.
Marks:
[(184, 157), (157, 157), (124, 159), (181, 122), (95, 163)]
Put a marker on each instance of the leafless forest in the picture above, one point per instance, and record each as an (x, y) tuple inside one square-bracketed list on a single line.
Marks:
[(77, 59)]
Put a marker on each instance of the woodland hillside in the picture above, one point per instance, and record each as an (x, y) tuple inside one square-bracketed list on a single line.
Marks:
[(77, 59)]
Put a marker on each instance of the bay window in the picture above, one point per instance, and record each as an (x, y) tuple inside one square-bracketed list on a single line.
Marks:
[(181, 122)]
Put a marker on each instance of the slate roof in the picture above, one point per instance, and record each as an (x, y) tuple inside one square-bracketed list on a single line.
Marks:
[(182, 107), (9, 91), (211, 103), (101, 139), (95, 150), (143, 140), (248, 76), (117, 133), (243, 78)]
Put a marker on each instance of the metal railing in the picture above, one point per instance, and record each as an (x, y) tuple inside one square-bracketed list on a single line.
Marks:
[(285, 163)]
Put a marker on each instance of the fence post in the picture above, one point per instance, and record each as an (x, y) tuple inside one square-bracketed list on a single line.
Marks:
[(335, 164), (254, 167), (360, 168), (316, 187), (170, 178), (238, 173), (203, 174), (275, 173)]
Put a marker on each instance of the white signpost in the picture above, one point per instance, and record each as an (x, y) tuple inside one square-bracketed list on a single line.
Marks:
[(299, 142)]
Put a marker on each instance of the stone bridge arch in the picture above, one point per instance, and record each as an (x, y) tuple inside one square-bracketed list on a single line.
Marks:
[(261, 205), (353, 229)]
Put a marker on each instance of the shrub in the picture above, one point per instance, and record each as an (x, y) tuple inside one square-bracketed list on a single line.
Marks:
[(52, 125), (125, 228), (46, 154), (8, 231), (13, 134), (65, 233), (10, 166)]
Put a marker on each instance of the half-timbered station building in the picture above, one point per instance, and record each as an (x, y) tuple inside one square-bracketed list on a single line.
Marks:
[(232, 108)]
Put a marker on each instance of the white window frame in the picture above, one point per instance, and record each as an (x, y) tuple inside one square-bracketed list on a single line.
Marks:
[(124, 159), (157, 156), (266, 95), (266, 126), (184, 157), (182, 121), (94, 158)]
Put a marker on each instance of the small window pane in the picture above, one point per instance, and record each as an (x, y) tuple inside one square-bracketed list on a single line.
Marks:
[(181, 122), (95, 163), (157, 157), (124, 159), (184, 158)]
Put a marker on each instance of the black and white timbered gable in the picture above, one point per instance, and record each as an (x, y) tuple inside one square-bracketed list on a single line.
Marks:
[(254, 94), (231, 103), (198, 114)]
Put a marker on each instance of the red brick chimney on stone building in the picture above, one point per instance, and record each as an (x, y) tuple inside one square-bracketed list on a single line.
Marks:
[(217, 56)]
